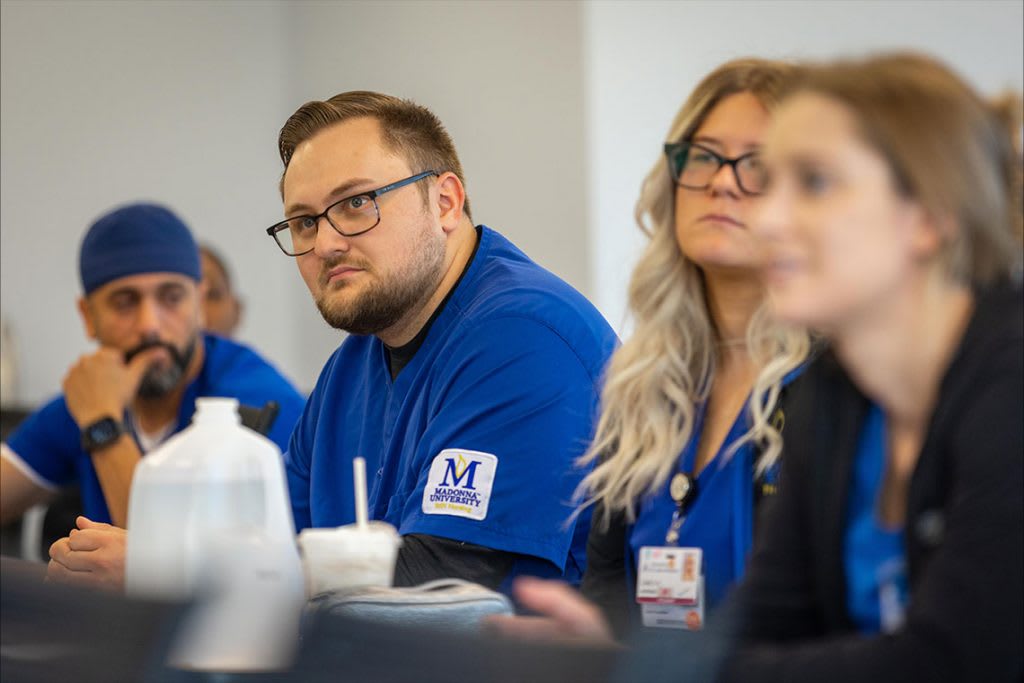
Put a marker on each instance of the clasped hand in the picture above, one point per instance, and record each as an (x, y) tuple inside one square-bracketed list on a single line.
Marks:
[(91, 555)]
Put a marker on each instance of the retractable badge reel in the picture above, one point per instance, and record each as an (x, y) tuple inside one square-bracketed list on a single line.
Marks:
[(670, 579)]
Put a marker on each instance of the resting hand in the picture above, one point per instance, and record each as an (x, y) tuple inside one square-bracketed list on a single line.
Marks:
[(91, 555), (567, 617)]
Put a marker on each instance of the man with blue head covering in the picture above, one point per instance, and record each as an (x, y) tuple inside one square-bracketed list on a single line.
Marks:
[(140, 273), (133, 251)]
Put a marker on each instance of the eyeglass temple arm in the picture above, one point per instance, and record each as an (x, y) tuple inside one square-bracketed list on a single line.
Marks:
[(401, 183)]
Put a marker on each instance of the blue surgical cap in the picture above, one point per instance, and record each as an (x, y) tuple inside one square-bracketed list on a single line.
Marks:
[(133, 239)]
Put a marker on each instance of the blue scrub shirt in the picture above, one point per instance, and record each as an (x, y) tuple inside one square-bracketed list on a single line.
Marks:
[(874, 556), (476, 438), (721, 519), (49, 441)]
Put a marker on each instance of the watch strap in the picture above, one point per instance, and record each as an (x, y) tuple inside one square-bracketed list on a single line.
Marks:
[(101, 433)]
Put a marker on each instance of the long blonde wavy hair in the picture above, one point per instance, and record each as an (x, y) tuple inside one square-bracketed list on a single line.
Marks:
[(662, 373)]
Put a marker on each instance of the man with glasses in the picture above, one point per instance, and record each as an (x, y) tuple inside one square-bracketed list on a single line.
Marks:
[(470, 378), (140, 273)]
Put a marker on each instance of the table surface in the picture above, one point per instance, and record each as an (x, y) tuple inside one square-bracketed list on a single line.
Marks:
[(54, 632)]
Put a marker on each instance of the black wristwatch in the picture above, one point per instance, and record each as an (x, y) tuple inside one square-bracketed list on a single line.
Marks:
[(101, 434)]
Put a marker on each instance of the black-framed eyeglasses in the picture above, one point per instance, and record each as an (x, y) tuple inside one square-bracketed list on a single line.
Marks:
[(350, 216), (693, 165)]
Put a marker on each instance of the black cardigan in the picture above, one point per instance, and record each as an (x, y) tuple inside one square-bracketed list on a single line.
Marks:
[(965, 529)]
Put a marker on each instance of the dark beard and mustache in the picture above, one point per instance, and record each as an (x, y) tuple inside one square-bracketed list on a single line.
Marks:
[(160, 380), (384, 304)]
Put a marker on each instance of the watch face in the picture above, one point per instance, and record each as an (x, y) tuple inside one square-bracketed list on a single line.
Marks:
[(101, 433), (104, 431)]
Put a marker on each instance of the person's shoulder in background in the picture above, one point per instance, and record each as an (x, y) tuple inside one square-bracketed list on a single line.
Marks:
[(234, 369)]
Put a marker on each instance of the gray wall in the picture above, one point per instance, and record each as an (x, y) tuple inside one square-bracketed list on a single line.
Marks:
[(107, 102), (104, 103), (643, 58), (558, 109), (507, 80)]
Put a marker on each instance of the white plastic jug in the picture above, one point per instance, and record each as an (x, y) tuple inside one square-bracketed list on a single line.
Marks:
[(209, 518)]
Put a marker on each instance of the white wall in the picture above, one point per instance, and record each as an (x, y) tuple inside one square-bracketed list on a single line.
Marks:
[(107, 102), (104, 103), (643, 58), (506, 78), (558, 109)]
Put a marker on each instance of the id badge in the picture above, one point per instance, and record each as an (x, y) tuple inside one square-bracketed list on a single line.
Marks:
[(668, 575), (683, 617), (670, 587)]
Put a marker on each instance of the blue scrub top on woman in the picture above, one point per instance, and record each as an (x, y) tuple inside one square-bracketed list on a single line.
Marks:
[(720, 521)]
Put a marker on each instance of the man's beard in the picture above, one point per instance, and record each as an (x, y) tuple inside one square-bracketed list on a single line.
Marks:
[(159, 380), (384, 304)]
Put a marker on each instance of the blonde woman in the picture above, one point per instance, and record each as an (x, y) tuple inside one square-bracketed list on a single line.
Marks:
[(686, 444)]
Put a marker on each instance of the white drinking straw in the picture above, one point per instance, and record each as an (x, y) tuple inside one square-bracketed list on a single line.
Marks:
[(359, 477)]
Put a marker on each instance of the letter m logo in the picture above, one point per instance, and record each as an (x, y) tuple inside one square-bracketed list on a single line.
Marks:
[(459, 484), (459, 470)]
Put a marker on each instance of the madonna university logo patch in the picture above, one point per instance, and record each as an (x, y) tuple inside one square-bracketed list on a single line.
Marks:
[(459, 483)]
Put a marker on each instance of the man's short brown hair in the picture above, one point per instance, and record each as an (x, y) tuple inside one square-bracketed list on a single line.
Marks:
[(407, 128)]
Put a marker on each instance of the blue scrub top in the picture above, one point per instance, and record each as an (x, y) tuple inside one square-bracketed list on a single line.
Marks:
[(721, 519), (48, 442), (877, 588), (476, 438)]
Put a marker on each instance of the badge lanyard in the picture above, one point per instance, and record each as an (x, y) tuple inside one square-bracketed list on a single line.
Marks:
[(683, 490)]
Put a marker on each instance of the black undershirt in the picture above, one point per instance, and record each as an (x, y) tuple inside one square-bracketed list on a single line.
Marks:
[(423, 557)]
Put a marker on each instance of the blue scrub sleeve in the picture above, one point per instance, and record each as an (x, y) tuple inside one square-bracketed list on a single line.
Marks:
[(241, 373), (48, 442), (516, 391)]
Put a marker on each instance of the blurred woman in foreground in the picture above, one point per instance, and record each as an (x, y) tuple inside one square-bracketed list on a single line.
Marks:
[(892, 221), (894, 550)]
